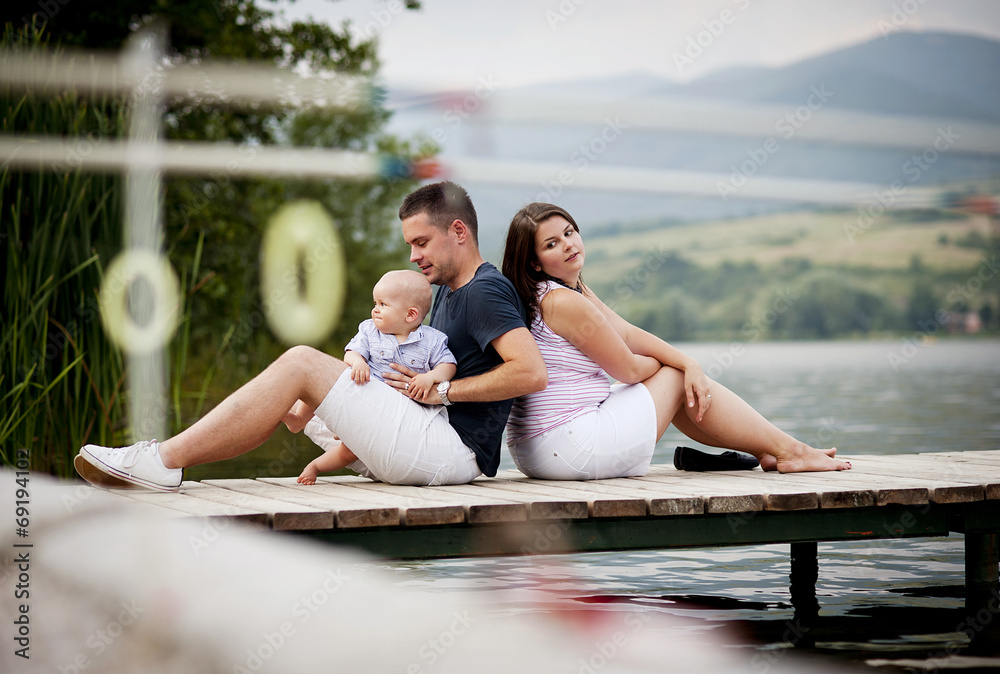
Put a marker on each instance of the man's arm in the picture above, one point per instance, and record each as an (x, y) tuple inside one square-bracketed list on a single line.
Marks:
[(521, 372), (422, 384)]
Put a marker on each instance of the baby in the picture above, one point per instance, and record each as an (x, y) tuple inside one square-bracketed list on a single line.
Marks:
[(393, 334)]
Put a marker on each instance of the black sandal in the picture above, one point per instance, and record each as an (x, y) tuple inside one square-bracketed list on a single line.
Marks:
[(687, 458)]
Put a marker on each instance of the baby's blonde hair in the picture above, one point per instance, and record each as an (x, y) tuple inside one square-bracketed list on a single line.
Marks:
[(413, 288)]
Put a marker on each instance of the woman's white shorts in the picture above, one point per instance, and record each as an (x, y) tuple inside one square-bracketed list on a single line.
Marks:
[(616, 439), (396, 440)]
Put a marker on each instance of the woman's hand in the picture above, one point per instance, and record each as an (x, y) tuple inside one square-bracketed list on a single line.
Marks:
[(696, 386)]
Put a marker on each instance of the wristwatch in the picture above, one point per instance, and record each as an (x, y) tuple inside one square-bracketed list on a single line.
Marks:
[(443, 392)]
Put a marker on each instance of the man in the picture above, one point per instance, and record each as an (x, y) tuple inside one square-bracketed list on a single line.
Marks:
[(395, 439)]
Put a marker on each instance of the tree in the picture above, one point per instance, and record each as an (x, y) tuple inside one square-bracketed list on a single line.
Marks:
[(922, 306), (227, 212)]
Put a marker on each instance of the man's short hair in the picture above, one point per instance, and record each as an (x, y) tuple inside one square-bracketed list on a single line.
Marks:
[(443, 202)]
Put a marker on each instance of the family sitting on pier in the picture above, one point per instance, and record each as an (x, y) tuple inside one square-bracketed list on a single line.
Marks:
[(534, 349)]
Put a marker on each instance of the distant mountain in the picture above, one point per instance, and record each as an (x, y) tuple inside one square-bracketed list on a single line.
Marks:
[(921, 74), (942, 76)]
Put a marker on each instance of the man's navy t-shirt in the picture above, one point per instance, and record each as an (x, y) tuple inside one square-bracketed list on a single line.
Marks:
[(472, 317)]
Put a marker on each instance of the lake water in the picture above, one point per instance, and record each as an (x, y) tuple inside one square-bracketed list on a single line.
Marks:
[(878, 599)]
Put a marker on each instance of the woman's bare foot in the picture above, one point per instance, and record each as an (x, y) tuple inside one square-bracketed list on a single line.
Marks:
[(805, 459), (769, 462)]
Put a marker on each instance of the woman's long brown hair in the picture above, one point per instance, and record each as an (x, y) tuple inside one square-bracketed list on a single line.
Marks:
[(519, 252)]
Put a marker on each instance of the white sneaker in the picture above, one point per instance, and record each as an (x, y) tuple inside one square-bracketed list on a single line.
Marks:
[(139, 465)]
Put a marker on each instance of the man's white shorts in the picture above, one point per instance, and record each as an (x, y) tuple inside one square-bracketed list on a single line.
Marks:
[(615, 439), (396, 440)]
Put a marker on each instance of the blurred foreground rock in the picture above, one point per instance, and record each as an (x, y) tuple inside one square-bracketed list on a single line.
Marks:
[(111, 588)]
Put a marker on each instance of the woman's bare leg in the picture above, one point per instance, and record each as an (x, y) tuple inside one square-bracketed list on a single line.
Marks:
[(690, 428), (251, 414), (733, 424)]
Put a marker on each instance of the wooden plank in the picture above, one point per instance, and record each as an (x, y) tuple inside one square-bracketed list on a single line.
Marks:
[(830, 496), (479, 508), (721, 496), (598, 504), (987, 456), (939, 490), (661, 504), (539, 506), (347, 514), (660, 501), (985, 463), (944, 466), (284, 516), (958, 459), (948, 469), (412, 512), (777, 495), (198, 507), (117, 498), (884, 493)]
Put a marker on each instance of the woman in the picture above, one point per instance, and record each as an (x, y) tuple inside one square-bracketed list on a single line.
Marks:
[(582, 428)]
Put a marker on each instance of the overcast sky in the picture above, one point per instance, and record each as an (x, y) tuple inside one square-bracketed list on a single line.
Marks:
[(454, 43)]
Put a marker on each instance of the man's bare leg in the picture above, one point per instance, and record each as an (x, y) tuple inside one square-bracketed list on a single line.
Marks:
[(252, 413)]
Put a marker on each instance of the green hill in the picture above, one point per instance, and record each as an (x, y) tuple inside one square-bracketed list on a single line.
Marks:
[(723, 279)]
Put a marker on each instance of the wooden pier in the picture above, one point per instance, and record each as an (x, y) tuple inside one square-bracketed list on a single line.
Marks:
[(883, 497)]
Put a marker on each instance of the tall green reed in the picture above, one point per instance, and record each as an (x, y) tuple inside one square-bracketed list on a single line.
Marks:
[(62, 382)]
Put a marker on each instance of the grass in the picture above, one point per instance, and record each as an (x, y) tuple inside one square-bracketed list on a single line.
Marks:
[(888, 244), (62, 379)]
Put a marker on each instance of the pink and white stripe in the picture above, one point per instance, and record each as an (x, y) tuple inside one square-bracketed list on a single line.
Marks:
[(577, 385)]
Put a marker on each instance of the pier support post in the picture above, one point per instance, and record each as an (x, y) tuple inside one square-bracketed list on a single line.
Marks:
[(982, 591), (803, 576)]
